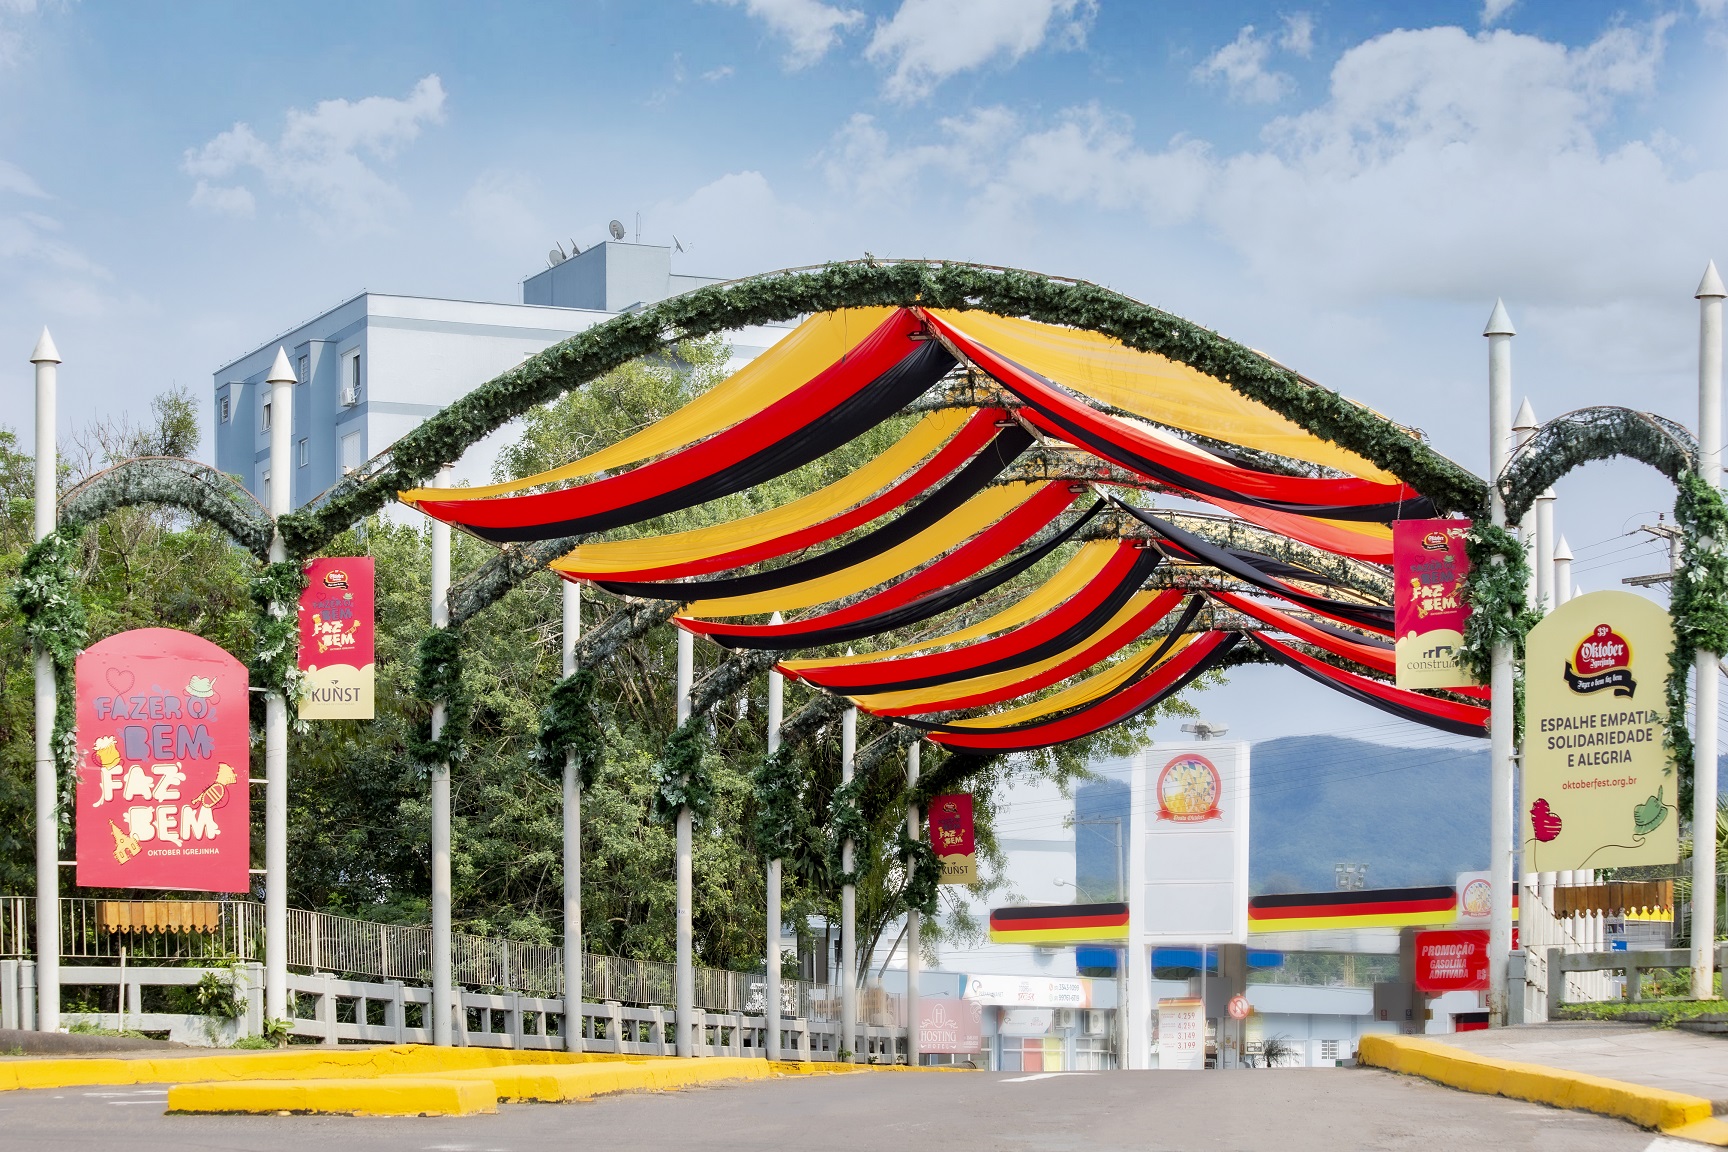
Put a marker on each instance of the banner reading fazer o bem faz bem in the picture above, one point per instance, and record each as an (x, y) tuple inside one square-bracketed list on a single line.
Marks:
[(1428, 563), (162, 798), (336, 633)]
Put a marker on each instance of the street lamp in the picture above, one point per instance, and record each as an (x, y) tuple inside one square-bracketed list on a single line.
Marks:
[(1205, 729)]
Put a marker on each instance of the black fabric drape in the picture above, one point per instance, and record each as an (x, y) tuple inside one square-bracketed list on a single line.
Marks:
[(983, 469), (1402, 711), (857, 414), (917, 611)]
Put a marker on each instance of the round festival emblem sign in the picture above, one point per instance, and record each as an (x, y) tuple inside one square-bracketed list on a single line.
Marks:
[(1603, 659), (1188, 790), (1478, 899)]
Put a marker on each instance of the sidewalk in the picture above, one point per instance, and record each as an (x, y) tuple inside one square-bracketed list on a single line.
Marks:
[(1656, 1078)]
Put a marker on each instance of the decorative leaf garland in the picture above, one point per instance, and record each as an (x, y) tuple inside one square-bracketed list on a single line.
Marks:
[(779, 822), (438, 677), (783, 295), (923, 873), (568, 724), (1590, 434), (1498, 611), (681, 776), (275, 663), (55, 622), (846, 821), (1698, 606), (179, 483)]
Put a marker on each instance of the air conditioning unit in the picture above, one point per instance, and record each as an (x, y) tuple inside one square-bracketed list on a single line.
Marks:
[(1095, 1023), (1063, 1018)]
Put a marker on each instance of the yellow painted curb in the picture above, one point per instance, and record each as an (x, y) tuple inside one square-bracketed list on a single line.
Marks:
[(1710, 1131), (376, 1096), (1434, 1060), (657, 1074), (301, 1063)]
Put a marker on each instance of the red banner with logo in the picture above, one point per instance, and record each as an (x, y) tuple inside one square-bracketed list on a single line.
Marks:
[(1452, 960), (336, 636), (162, 798), (951, 835), (1428, 564)]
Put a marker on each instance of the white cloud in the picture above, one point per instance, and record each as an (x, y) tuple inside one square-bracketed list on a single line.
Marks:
[(1493, 10), (1298, 34), (719, 73), (927, 41), (809, 27), (1241, 64), (322, 160), (1440, 165), (15, 179)]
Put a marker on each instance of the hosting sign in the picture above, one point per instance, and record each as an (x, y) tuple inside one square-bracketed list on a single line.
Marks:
[(1599, 787), (336, 633), (1428, 563), (955, 1026), (162, 798)]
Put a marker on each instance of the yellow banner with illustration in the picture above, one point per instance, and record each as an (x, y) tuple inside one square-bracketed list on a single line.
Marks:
[(1599, 787)]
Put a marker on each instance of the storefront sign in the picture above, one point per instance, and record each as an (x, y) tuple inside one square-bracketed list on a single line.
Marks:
[(1453, 960), (1181, 1035), (162, 798), (1188, 844), (336, 631), (950, 1026), (1428, 562), (1029, 991), (951, 836), (1599, 788)]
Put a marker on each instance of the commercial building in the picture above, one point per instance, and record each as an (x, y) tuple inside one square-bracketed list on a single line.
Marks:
[(374, 366)]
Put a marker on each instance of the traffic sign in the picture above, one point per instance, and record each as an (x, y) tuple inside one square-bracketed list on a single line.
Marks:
[(1239, 1007)]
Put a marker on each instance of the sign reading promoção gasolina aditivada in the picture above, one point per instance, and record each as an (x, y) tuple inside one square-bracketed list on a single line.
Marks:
[(162, 764), (1599, 787)]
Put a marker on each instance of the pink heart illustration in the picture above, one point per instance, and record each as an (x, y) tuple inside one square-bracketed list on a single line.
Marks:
[(120, 680)]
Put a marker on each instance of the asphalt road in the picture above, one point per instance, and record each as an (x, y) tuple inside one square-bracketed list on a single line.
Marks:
[(1293, 1110)]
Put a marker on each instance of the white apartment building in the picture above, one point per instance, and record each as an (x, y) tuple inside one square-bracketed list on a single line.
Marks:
[(373, 367)]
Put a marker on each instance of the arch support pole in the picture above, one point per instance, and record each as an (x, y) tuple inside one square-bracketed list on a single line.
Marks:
[(46, 358), (914, 949), (848, 900), (573, 951), (1706, 664), (684, 1011), (280, 501), (1500, 793), (443, 967), (771, 960)]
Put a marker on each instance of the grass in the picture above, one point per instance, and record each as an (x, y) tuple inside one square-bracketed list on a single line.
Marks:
[(1662, 1013), (85, 1028)]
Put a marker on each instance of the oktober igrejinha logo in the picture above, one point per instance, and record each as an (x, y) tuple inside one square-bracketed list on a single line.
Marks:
[(1603, 660)]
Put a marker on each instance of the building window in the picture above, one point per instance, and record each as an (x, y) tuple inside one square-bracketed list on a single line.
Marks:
[(350, 453), (1331, 1049), (351, 380), (227, 410), (305, 370), (305, 452), (265, 421), (265, 486)]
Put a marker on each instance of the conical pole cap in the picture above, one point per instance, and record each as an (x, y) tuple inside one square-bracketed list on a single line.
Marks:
[(1526, 418), (1499, 324), (46, 353), (281, 372), (1708, 288)]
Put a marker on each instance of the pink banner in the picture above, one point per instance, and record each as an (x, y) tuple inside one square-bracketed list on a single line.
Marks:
[(162, 799), (951, 835), (336, 633), (1428, 564)]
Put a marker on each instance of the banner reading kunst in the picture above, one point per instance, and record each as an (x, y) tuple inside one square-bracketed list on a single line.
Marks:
[(162, 799), (336, 626), (951, 835), (1599, 788), (1428, 562)]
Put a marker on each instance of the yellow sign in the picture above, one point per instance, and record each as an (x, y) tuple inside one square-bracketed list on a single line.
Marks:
[(1599, 787)]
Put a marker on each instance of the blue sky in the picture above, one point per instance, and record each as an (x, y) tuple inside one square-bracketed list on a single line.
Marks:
[(1345, 185)]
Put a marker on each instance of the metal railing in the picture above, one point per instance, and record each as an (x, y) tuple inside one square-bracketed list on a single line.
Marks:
[(342, 945)]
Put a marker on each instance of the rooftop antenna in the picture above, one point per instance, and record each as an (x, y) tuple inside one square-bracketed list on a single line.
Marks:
[(676, 247), (575, 249), (638, 227), (616, 229), (1205, 729), (556, 256)]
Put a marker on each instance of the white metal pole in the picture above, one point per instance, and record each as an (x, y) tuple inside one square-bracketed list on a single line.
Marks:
[(1545, 600), (1500, 822), (443, 966), (848, 899), (685, 1010), (914, 953), (1562, 572), (1524, 427), (281, 502), (1705, 663), (771, 960), (573, 951), (47, 360)]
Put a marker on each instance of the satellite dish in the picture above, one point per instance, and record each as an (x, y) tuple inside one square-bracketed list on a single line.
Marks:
[(556, 257), (616, 229)]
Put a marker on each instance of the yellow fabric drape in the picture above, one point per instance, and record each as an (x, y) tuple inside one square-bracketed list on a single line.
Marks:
[(786, 366), (937, 693), (1152, 386), (970, 518), (1083, 692), (1086, 563), (920, 441)]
